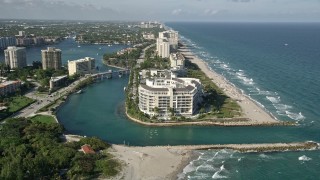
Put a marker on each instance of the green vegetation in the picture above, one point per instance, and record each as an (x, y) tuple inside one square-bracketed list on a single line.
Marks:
[(216, 104), (43, 119), (84, 83), (152, 60), (14, 104), (126, 60), (86, 32), (34, 150)]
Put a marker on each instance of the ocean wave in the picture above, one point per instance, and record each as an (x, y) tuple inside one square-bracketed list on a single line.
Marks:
[(282, 107), (225, 68), (189, 168), (295, 116), (205, 167), (273, 99), (304, 158), (218, 175)]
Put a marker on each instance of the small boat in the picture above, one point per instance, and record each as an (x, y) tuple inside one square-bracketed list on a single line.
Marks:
[(286, 44), (124, 88), (97, 54), (79, 92), (79, 46), (120, 75)]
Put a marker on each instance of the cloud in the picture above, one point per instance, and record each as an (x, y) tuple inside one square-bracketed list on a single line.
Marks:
[(176, 12), (173, 10), (42, 9), (210, 11), (241, 1)]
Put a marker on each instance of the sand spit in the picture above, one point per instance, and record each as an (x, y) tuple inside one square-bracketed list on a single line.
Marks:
[(166, 162)]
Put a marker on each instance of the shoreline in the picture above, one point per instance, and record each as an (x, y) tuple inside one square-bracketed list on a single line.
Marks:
[(209, 123), (250, 109), (139, 161)]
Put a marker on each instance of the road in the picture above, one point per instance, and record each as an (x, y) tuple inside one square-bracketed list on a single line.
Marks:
[(42, 101), (142, 55)]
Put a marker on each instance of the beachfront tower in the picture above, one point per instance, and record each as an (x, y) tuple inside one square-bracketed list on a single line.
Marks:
[(163, 48), (51, 58), (15, 57)]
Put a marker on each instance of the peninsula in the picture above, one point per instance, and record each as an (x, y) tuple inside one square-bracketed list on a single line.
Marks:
[(171, 86)]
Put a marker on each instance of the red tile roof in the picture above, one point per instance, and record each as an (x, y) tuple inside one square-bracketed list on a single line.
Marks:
[(87, 149)]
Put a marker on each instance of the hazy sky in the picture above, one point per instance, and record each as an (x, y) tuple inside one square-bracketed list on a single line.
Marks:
[(164, 10)]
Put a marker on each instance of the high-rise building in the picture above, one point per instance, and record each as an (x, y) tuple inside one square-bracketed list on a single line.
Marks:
[(51, 58), (172, 37), (163, 48), (163, 95), (15, 57), (81, 66), (7, 41), (22, 33), (167, 41)]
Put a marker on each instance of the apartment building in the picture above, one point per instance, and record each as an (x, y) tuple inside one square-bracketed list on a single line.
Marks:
[(177, 60), (51, 58), (159, 95), (15, 57), (8, 87), (81, 66)]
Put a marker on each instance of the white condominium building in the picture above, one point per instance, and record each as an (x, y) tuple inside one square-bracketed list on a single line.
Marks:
[(172, 37), (15, 57), (163, 48), (51, 58), (161, 96), (167, 41), (81, 66), (177, 60)]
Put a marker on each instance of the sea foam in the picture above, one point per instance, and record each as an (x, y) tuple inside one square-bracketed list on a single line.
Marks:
[(304, 158)]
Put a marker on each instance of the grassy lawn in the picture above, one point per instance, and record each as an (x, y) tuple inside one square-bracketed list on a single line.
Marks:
[(43, 119), (19, 102), (15, 104)]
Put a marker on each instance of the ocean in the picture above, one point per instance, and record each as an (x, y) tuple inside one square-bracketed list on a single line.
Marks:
[(278, 66)]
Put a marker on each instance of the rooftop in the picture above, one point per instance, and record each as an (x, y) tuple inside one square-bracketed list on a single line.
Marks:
[(87, 149)]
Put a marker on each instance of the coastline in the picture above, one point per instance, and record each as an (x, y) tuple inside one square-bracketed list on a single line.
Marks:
[(211, 123), (250, 109), (139, 162)]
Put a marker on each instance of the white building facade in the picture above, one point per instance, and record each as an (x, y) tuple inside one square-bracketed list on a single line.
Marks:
[(163, 48), (81, 66), (162, 96), (51, 58), (15, 57), (177, 60), (167, 41)]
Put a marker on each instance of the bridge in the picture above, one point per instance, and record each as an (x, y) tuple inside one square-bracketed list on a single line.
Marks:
[(109, 74)]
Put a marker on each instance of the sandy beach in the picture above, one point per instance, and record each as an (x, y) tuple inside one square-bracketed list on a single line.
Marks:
[(151, 163), (250, 109), (167, 162)]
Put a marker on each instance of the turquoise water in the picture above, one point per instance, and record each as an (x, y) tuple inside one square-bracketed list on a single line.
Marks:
[(254, 57), (71, 51), (277, 65)]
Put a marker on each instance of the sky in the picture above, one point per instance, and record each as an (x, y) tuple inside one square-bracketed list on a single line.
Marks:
[(164, 10)]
